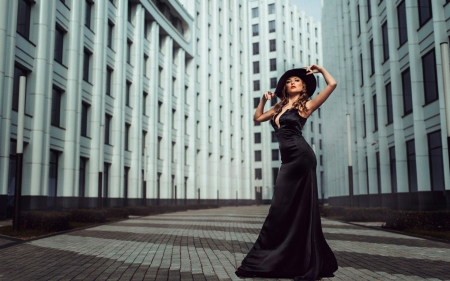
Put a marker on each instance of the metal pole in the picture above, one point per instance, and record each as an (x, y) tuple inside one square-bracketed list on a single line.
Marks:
[(350, 164), (19, 153)]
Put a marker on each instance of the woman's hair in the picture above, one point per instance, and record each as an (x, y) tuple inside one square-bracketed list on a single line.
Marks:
[(299, 104)]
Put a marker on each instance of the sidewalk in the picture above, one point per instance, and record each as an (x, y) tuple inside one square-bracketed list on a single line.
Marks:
[(209, 245)]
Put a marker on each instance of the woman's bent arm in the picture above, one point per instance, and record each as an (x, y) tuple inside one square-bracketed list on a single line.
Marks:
[(325, 93), (259, 115)]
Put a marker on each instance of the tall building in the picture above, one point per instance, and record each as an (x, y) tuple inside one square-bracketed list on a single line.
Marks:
[(128, 102), (386, 58), (282, 37)]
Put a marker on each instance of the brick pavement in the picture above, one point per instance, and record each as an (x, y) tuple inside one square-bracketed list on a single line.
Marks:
[(209, 245)]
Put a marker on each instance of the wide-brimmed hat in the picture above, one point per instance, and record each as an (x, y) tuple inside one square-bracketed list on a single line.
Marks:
[(309, 80)]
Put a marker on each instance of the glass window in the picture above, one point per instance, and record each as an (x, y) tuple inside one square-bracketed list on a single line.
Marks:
[(364, 120), (275, 155), (257, 155), (377, 158), (82, 177), (393, 169), (402, 25), (109, 73), (384, 30), (108, 129), (362, 70), (256, 102), (255, 30), (429, 77), (436, 161), (425, 12), (359, 20), (128, 93), (24, 18), (411, 158), (258, 173), (271, 9), (59, 44), (375, 112), (273, 64), (369, 10), (110, 34), (390, 112), (84, 119), (52, 179), (88, 14), (271, 26), (255, 12), (129, 43), (56, 106), (274, 137), (255, 67), (407, 93), (256, 85), (256, 48), (127, 136), (18, 71), (257, 137), (273, 83), (272, 45), (372, 58), (86, 65)]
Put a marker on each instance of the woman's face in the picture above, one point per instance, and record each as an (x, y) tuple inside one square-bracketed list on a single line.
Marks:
[(294, 85)]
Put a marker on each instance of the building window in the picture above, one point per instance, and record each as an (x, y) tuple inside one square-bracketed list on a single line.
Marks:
[(257, 137), (320, 141), (393, 169), (108, 129), (429, 77), (256, 102), (129, 43), (272, 45), (24, 18), (125, 184), (159, 147), (106, 167), (18, 71), (127, 136), (425, 12), (402, 26), (436, 161), (390, 111), (367, 175), (88, 15), (273, 83), (255, 67), (255, 12), (273, 64), (59, 44), (320, 128), (130, 13), (275, 155), (384, 30), (407, 92), (257, 155), (377, 158), (110, 34), (369, 10), (84, 119), (411, 158), (52, 179), (256, 85), (127, 93), (271, 26), (359, 20), (256, 48), (109, 73), (144, 103), (82, 177), (255, 30), (86, 65), (364, 120), (258, 173), (321, 160), (160, 111), (56, 107), (372, 59), (362, 70), (274, 137), (271, 9), (375, 112)]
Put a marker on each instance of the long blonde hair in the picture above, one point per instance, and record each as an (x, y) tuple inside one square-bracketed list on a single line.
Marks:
[(299, 104)]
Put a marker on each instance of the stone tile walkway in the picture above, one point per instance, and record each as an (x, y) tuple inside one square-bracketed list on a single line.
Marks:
[(209, 245)]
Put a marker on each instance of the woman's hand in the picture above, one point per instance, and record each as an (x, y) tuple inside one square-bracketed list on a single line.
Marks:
[(268, 95), (313, 68)]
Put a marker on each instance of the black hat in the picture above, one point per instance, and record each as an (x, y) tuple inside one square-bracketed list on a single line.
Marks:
[(309, 80)]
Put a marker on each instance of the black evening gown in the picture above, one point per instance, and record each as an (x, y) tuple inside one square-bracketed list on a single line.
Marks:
[(291, 243)]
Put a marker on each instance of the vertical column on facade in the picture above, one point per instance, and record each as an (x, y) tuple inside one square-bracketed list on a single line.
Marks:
[(422, 164), (135, 174), (383, 148), (98, 97), (359, 117), (397, 99), (178, 91), (166, 144), (152, 139), (8, 23), (38, 166), (118, 120), (440, 35), (191, 131)]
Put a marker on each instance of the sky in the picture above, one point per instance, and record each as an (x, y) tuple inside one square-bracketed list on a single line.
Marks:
[(312, 8)]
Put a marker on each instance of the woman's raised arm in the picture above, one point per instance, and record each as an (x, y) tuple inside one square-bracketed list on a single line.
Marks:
[(259, 115), (313, 104)]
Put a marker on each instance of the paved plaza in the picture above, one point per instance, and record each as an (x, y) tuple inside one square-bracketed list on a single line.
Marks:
[(209, 245)]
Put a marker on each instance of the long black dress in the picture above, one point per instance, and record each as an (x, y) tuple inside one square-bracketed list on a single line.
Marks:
[(291, 243)]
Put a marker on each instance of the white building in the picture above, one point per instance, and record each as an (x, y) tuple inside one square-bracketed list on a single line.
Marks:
[(386, 58), (281, 38), (127, 102)]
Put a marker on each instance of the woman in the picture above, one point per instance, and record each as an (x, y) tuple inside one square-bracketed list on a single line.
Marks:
[(291, 243)]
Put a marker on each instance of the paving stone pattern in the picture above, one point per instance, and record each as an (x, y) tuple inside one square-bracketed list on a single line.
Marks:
[(210, 245)]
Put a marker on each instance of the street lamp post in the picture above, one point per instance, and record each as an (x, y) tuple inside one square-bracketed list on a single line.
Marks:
[(19, 153)]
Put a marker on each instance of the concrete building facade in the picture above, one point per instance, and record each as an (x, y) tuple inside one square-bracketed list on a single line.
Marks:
[(386, 58), (281, 38), (128, 102)]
